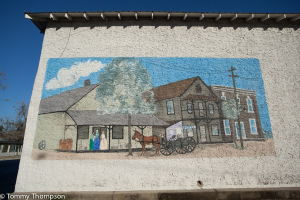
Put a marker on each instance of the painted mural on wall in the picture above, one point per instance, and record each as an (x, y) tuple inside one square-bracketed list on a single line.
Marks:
[(127, 108)]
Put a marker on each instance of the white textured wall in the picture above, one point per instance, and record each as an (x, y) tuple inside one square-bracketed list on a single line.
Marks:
[(278, 51)]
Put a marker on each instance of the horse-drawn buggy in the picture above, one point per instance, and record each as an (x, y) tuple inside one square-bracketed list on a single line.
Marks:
[(180, 145)]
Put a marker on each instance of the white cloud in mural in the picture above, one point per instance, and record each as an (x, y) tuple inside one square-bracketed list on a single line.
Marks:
[(67, 77)]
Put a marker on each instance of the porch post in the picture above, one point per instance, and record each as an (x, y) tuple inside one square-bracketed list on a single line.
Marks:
[(129, 135), (76, 139), (109, 133)]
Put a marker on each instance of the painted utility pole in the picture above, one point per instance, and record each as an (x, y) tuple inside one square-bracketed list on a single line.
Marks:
[(195, 120), (236, 103)]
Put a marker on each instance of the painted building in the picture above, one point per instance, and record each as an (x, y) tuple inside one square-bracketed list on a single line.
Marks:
[(196, 109), (74, 120), (249, 114), (132, 53), (195, 104)]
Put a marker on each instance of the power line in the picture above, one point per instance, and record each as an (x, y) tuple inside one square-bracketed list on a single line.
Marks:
[(97, 5), (188, 67), (251, 79), (185, 70)]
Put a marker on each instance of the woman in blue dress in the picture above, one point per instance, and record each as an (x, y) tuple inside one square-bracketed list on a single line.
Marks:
[(96, 141)]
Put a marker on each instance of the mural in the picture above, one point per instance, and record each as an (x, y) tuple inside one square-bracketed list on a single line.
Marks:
[(137, 108)]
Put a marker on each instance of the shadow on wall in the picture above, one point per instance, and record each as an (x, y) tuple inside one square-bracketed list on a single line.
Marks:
[(40, 156), (222, 23)]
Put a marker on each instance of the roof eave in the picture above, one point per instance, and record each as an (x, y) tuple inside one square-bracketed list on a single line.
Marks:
[(41, 19)]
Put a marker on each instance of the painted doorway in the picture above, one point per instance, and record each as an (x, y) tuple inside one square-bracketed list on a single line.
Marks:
[(100, 129), (106, 143), (242, 129), (203, 134)]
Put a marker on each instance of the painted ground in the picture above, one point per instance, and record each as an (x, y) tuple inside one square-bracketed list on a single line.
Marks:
[(252, 148)]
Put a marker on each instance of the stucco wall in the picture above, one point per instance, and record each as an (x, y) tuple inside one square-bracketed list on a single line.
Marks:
[(276, 47)]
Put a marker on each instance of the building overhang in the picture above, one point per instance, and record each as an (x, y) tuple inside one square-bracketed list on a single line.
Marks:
[(41, 19), (91, 118)]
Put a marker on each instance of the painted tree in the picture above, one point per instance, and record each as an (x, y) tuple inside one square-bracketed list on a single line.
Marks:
[(125, 88), (229, 111)]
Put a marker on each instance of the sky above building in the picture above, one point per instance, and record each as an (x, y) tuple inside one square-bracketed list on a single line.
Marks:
[(21, 41)]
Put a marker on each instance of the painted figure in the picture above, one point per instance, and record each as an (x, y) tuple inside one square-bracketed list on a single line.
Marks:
[(92, 141), (96, 145), (146, 141), (103, 143)]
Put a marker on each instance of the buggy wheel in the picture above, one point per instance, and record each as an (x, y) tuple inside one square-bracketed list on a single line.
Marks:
[(189, 144), (42, 144), (179, 146), (166, 148)]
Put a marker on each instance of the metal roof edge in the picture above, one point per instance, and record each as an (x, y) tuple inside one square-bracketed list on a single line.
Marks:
[(41, 19), (157, 11)]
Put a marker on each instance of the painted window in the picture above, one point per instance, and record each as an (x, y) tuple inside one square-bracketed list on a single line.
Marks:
[(249, 104), (198, 88), (215, 129), (189, 108), (226, 127), (170, 107), (201, 109), (223, 96), (83, 132), (253, 126), (242, 129), (117, 132), (211, 108), (190, 132)]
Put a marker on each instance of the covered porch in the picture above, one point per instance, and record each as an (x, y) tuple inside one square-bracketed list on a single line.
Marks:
[(90, 126)]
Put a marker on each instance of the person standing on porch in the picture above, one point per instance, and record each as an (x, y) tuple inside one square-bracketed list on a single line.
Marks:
[(92, 141), (96, 145), (103, 143)]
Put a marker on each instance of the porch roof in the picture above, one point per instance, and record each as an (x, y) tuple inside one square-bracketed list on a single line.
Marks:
[(90, 117)]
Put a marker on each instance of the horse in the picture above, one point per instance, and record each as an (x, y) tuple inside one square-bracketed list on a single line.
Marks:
[(147, 141)]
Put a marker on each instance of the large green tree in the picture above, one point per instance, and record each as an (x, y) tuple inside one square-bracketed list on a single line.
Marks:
[(125, 87)]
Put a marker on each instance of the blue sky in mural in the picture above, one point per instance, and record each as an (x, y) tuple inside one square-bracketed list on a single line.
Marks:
[(213, 71), (21, 41)]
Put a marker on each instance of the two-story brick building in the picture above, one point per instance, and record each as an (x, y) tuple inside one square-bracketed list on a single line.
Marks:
[(249, 116)]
